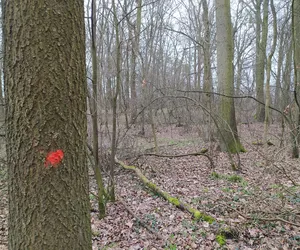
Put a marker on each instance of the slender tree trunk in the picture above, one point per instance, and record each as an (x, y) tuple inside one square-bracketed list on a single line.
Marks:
[(125, 90), (2, 116), (45, 91), (269, 65), (278, 73), (296, 48), (111, 187), (287, 73), (133, 94), (260, 62), (239, 76), (207, 86), (94, 112), (135, 49), (229, 139)]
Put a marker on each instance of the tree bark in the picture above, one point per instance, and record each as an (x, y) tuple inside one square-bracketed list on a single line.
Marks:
[(229, 140), (278, 85), (111, 185), (261, 46), (94, 112), (207, 74), (269, 66), (135, 49), (296, 49), (45, 91)]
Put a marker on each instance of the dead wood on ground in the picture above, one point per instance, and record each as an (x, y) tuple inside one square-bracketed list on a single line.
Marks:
[(173, 200), (201, 153)]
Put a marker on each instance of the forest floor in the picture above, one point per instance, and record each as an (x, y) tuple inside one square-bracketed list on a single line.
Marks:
[(256, 208)]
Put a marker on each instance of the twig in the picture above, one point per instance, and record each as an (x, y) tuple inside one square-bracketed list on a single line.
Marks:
[(233, 97)]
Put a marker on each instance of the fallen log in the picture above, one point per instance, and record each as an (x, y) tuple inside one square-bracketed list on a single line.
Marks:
[(201, 153), (197, 215)]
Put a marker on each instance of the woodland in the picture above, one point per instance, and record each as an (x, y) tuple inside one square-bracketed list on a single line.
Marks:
[(150, 124)]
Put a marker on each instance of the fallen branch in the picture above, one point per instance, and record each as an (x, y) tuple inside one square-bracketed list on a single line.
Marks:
[(183, 155), (260, 143), (173, 200)]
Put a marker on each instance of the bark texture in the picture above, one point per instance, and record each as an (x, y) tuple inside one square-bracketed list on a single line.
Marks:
[(296, 48), (207, 74), (261, 46), (94, 114), (45, 90), (229, 136), (135, 47)]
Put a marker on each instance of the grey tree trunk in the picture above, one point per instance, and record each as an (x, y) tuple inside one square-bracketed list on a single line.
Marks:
[(278, 85), (135, 49), (45, 91), (269, 66), (296, 49), (111, 184), (207, 75), (94, 114), (261, 45), (229, 140)]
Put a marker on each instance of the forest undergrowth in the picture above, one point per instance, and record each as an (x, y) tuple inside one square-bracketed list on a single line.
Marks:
[(255, 208)]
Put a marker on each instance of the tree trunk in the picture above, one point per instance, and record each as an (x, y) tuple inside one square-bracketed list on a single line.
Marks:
[(278, 85), (45, 91), (286, 78), (135, 49), (94, 112), (111, 185), (207, 75), (296, 48), (229, 140), (261, 58), (268, 93)]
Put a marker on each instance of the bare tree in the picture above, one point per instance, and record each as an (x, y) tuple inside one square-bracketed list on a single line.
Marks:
[(261, 44), (269, 66), (228, 135), (296, 50), (94, 113)]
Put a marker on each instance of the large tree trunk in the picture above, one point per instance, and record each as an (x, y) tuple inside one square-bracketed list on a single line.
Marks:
[(45, 91), (228, 130)]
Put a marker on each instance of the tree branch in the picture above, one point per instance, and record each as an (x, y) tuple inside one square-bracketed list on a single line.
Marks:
[(183, 155), (234, 97)]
